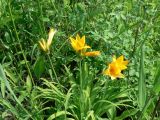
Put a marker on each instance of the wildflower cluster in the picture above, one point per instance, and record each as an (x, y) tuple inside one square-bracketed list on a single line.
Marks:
[(79, 45)]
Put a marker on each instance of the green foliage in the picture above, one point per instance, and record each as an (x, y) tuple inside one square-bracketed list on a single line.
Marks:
[(62, 85), (156, 87), (39, 67), (142, 86)]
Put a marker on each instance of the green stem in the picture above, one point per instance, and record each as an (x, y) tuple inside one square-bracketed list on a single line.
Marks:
[(17, 37), (80, 68), (81, 92), (52, 67)]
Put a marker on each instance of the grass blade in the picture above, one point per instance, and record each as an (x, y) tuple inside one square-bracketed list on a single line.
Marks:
[(156, 87), (2, 79), (141, 82)]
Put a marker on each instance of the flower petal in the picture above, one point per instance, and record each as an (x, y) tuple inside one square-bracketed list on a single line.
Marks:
[(94, 53), (42, 43), (82, 41), (120, 59), (125, 62), (86, 46), (114, 58), (78, 37), (50, 36)]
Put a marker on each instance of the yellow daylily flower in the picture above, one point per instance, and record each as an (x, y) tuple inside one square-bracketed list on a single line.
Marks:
[(121, 63), (115, 68), (80, 46), (45, 45)]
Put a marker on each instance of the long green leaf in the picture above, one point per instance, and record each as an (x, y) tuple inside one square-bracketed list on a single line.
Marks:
[(156, 87), (141, 82), (39, 67), (2, 79), (127, 113)]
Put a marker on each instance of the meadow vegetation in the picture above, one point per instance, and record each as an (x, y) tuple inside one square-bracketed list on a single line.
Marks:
[(80, 59)]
